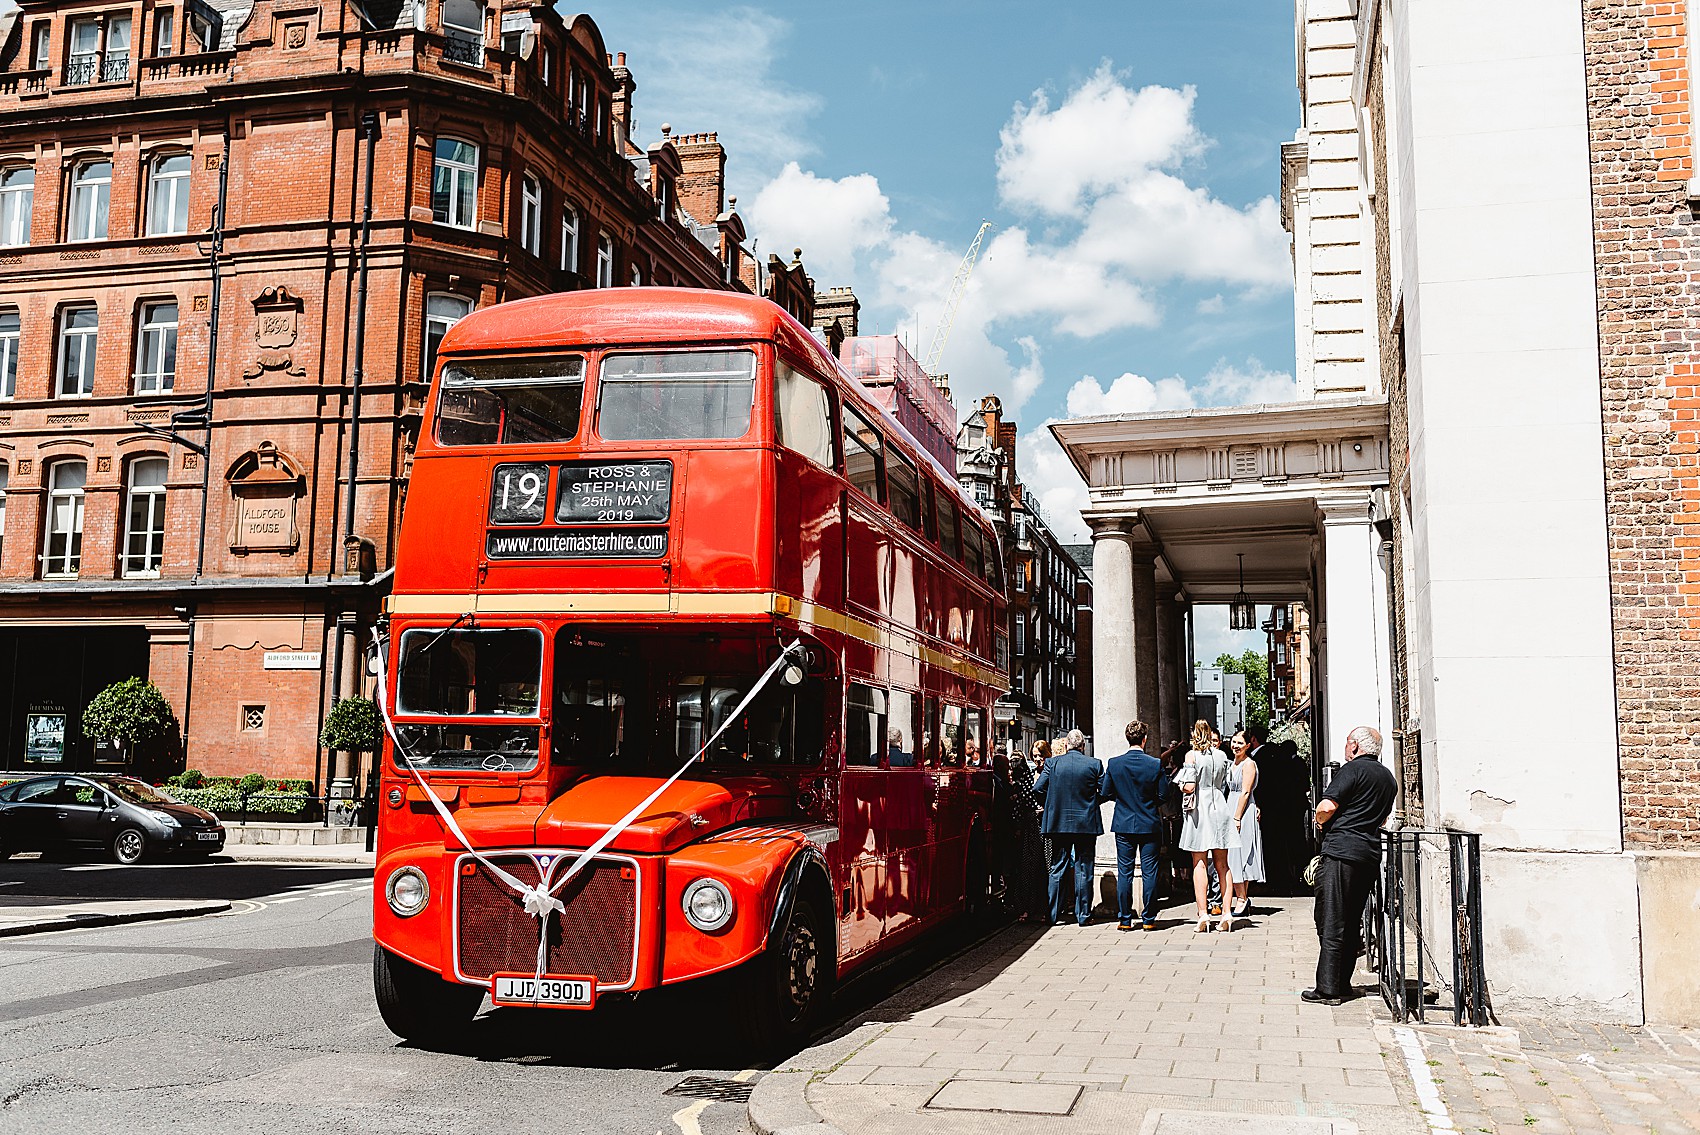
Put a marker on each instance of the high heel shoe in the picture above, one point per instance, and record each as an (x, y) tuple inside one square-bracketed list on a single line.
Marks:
[(1203, 926), (1226, 926)]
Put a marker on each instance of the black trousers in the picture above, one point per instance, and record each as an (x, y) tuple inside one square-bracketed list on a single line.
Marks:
[(1342, 892)]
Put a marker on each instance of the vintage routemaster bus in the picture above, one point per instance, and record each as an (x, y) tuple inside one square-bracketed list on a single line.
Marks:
[(645, 525)]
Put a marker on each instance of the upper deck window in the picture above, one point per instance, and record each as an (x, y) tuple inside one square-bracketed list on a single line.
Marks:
[(864, 454), (676, 395), (510, 401), (802, 415)]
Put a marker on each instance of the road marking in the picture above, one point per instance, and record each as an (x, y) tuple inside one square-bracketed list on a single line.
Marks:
[(686, 1118), (1428, 1094)]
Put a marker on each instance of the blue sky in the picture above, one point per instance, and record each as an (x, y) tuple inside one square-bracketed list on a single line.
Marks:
[(1126, 153)]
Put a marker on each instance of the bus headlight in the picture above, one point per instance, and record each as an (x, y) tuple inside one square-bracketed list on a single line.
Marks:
[(407, 891), (708, 905)]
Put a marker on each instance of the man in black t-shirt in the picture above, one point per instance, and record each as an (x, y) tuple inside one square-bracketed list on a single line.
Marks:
[(1356, 803)]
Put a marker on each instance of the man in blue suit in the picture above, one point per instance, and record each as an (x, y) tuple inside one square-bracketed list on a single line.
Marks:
[(1069, 786), (1135, 781)]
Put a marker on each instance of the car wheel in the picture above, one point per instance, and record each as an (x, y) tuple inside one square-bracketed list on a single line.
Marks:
[(419, 1006), (129, 845), (788, 987)]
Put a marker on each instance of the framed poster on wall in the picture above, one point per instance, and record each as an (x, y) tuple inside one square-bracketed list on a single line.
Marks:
[(44, 738)]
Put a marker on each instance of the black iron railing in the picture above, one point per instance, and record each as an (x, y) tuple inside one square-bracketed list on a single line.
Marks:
[(465, 49), (1402, 933), (96, 67)]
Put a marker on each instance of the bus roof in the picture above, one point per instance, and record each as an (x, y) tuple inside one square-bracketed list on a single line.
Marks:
[(614, 316)]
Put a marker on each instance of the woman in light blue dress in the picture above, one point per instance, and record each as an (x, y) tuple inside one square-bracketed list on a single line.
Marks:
[(1207, 825), (1246, 859)]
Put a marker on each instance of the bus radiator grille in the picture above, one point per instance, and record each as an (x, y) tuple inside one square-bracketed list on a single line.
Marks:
[(594, 937)]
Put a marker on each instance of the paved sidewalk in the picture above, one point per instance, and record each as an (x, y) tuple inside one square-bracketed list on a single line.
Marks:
[(1096, 1030), (22, 915), (1584, 1079)]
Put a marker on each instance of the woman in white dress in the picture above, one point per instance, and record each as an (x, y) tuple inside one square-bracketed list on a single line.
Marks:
[(1246, 859), (1207, 826)]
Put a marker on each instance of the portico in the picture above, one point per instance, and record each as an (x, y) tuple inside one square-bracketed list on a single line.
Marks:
[(1175, 496)]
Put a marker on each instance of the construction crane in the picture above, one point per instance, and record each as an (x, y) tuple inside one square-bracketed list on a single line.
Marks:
[(958, 289)]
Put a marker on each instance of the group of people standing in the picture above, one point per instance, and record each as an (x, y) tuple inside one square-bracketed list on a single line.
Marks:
[(1207, 805)]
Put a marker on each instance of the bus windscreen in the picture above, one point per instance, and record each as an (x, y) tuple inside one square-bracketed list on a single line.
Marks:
[(676, 395)]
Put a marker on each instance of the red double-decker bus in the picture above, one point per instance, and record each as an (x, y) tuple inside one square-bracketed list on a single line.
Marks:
[(689, 666)]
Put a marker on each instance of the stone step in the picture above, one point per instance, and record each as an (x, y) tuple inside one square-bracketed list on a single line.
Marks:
[(292, 834)]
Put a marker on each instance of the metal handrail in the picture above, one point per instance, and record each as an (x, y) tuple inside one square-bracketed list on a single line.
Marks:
[(1399, 939)]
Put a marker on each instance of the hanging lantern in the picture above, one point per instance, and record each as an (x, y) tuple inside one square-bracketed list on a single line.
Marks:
[(1242, 612)]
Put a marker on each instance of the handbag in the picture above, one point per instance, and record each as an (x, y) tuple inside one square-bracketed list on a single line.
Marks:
[(1187, 774), (1312, 869)]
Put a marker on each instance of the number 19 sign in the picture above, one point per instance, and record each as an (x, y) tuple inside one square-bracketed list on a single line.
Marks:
[(519, 494)]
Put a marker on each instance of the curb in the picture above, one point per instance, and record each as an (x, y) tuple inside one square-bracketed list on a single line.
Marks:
[(78, 921), (779, 1105)]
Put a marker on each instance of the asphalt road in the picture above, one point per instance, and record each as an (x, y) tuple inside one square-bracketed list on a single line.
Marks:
[(262, 1019)]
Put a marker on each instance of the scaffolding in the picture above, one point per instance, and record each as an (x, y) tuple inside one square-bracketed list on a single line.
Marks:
[(895, 379)]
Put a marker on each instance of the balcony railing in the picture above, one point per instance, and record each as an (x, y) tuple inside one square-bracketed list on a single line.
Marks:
[(464, 49), (97, 67)]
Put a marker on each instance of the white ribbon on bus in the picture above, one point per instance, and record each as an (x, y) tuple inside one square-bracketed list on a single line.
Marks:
[(540, 900)]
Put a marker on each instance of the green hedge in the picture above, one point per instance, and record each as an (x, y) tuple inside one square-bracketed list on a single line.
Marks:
[(224, 793)]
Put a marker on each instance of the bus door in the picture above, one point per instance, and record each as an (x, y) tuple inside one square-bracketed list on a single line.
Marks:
[(862, 820), (949, 847), (909, 799)]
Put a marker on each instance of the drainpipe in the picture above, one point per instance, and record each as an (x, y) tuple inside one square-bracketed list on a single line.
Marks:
[(350, 541), (212, 353), (1395, 684)]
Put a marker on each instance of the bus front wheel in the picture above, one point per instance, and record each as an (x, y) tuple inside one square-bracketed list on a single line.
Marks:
[(416, 1004), (788, 987)]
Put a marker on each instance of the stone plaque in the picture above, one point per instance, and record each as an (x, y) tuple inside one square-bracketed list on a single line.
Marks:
[(265, 521)]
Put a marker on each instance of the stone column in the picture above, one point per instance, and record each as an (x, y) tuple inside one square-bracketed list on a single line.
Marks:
[(1355, 647), (1145, 653), (1167, 726), (1114, 656)]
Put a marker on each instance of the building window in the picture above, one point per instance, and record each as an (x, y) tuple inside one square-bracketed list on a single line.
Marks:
[(569, 239), (164, 33), (5, 478), (17, 203), (65, 481), (604, 260), (156, 354), (531, 216), (253, 718), (205, 30), (463, 32), (9, 339), (637, 276), (441, 313), (144, 528), (79, 331), (91, 200), (99, 50), (547, 62), (454, 184), (168, 195), (41, 52)]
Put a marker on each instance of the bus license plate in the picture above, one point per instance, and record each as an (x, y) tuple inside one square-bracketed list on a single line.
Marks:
[(551, 992)]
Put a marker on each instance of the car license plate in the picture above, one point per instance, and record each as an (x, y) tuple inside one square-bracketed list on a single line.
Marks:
[(549, 992), (206, 835)]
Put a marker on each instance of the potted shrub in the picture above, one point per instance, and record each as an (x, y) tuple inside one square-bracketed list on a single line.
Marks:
[(128, 713), (352, 726)]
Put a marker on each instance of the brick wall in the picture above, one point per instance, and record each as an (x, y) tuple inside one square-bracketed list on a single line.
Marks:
[(1647, 266)]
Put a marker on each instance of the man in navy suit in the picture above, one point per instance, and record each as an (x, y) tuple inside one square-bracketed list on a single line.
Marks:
[(1135, 781), (1069, 786)]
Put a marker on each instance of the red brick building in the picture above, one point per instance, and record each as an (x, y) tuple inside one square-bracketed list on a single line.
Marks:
[(491, 140)]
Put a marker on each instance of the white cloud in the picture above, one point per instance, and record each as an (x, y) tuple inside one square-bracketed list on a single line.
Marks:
[(1103, 136), (833, 221), (1049, 475), (1214, 305), (1229, 385), (1129, 394)]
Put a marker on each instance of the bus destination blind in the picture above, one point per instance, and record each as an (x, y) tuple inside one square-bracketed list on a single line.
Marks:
[(614, 492), (578, 544)]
